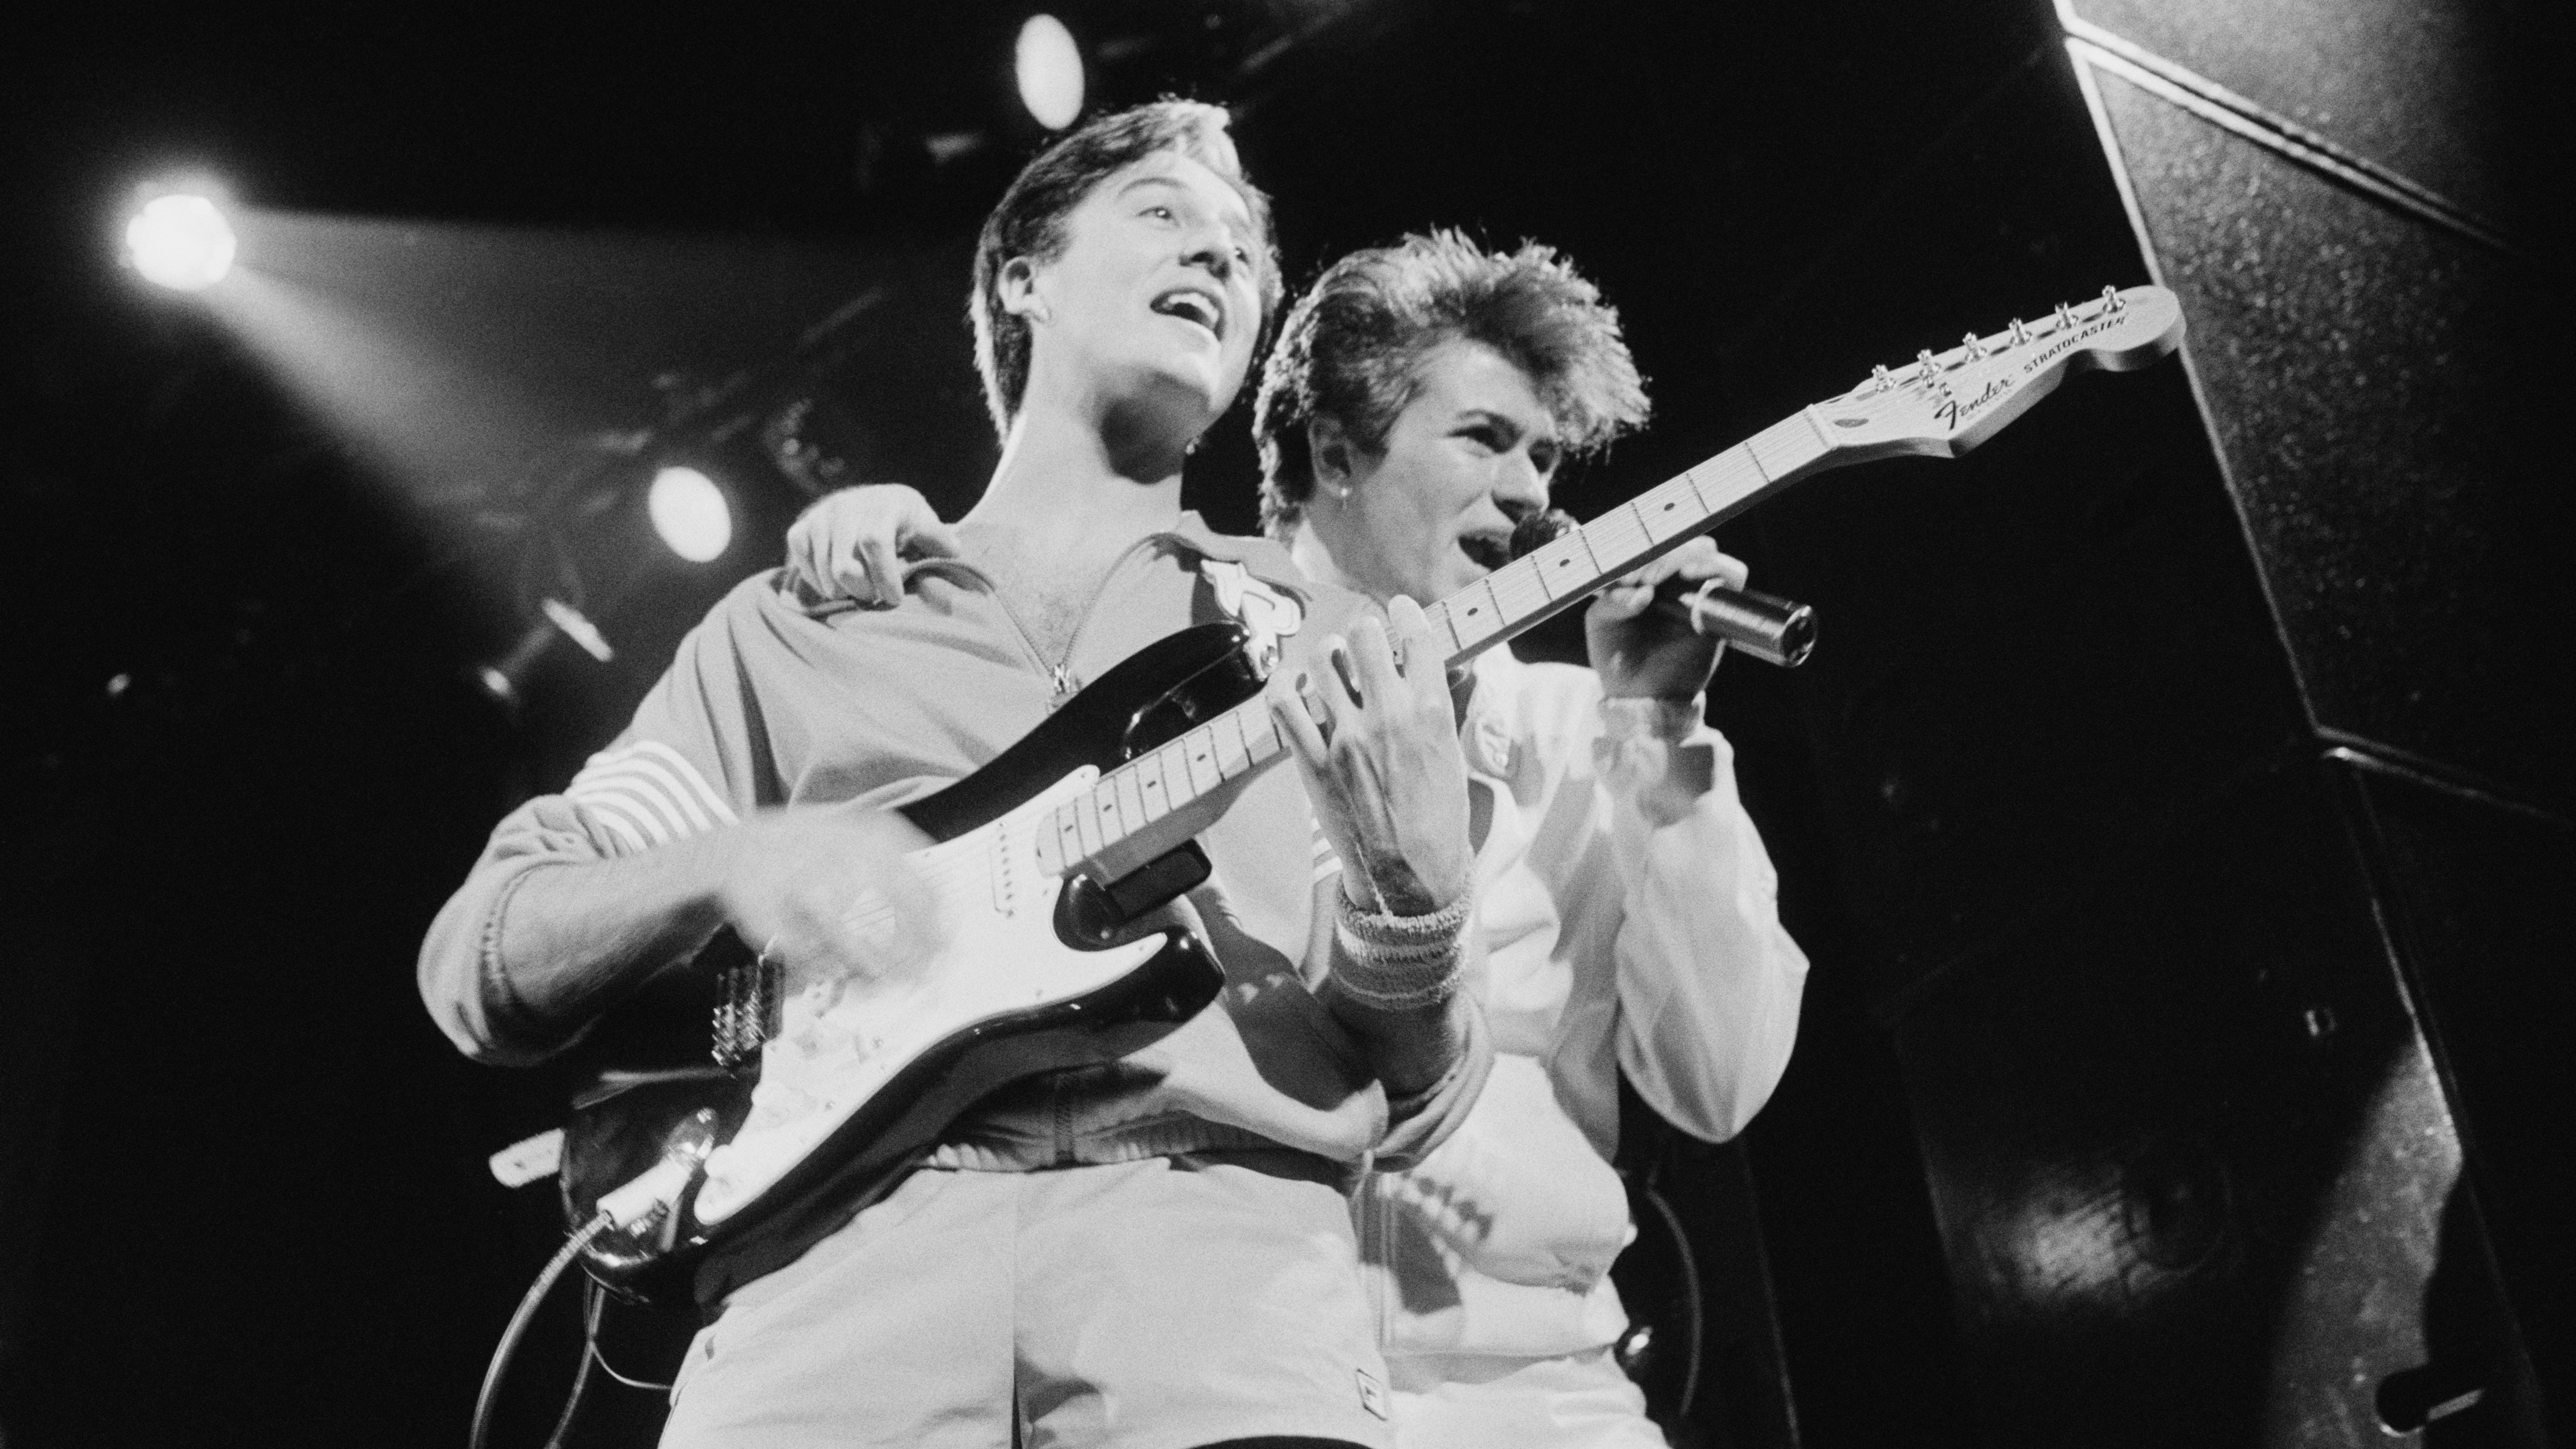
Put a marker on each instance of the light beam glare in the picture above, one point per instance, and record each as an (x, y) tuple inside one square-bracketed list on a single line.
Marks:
[(432, 422)]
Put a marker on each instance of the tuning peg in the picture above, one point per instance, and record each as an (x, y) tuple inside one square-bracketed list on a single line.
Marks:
[(1879, 381), (1974, 351), (1929, 369), (2020, 334), (2112, 301), (2065, 317)]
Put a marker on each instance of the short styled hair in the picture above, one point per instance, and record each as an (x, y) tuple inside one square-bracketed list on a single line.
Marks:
[(1352, 350), (1029, 222)]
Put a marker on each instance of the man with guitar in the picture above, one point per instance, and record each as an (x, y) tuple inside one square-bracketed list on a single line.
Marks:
[(1415, 410), (1153, 1249)]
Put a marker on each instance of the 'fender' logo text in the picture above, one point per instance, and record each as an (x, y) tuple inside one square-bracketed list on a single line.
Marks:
[(1952, 410)]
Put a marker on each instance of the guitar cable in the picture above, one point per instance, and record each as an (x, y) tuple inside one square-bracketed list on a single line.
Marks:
[(646, 1200), (597, 1300), (580, 1383), (1697, 1308), (490, 1397)]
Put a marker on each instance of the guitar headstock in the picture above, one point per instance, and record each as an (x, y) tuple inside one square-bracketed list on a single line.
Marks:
[(1945, 403)]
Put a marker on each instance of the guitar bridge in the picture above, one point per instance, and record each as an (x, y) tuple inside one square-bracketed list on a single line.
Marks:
[(746, 1016)]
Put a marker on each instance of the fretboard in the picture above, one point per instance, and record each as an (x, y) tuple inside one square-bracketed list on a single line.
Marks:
[(1520, 594), (1114, 827)]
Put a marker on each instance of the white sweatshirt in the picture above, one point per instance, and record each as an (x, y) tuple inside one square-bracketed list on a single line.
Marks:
[(1629, 919)]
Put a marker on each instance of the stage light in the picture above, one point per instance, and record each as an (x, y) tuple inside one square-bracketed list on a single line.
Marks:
[(578, 629), (1049, 67), (506, 679), (690, 513), (180, 241), (497, 683)]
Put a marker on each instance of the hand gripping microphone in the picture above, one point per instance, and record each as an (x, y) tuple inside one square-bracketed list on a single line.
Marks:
[(1773, 630)]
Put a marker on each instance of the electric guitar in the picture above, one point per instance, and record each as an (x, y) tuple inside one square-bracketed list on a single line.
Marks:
[(826, 1089)]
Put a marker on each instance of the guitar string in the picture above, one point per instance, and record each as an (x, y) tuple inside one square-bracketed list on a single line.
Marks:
[(1725, 471)]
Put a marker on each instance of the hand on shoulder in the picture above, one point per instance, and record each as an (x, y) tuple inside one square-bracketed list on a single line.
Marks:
[(850, 545)]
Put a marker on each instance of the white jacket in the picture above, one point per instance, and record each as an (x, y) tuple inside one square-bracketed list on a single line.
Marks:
[(1629, 919)]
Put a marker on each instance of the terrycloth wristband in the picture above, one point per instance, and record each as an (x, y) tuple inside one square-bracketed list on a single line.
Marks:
[(1652, 718), (1642, 755), (502, 1003), (1393, 962)]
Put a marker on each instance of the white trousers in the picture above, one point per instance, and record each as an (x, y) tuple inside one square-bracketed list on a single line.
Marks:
[(1465, 1401), (1146, 1305)]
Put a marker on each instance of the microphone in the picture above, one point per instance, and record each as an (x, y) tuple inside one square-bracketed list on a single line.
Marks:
[(1771, 629)]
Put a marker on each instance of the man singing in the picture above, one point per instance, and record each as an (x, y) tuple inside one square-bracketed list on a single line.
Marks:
[(1156, 1251), (1418, 404)]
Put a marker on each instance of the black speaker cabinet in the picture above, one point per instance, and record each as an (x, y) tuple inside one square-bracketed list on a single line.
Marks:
[(2195, 754), (2198, 1175)]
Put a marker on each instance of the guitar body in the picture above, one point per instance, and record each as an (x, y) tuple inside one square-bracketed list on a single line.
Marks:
[(1152, 696), (1032, 974)]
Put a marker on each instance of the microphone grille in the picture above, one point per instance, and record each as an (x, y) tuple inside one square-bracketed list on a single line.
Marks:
[(1537, 530)]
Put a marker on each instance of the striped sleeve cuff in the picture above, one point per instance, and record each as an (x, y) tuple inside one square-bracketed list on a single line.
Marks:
[(647, 794), (1328, 863)]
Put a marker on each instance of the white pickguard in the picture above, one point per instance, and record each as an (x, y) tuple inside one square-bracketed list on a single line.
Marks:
[(841, 1040)]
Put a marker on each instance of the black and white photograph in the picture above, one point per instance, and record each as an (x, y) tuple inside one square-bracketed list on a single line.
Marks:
[(1287, 724)]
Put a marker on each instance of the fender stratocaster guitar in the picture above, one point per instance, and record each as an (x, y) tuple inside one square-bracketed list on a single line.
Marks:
[(1045, 856)]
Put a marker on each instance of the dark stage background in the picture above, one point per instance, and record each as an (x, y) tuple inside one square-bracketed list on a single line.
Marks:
[(2176, 811)]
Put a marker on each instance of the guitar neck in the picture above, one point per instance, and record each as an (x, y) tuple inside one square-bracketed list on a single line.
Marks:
[(1526, 591), (1154, 802)]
